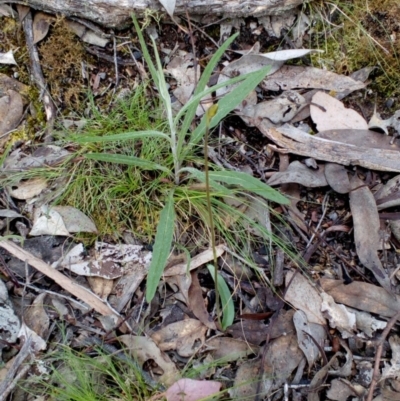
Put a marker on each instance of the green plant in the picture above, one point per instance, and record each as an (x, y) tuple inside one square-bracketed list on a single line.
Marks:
[(175, 170)]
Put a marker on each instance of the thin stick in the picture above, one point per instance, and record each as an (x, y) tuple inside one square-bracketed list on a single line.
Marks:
[(378, 355), (209, 114)]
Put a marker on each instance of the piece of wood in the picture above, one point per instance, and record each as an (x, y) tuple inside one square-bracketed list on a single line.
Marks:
[(99, 305), (117, 13), (293, 140)]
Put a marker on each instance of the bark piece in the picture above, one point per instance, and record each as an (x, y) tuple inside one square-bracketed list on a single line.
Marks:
[(117, 13), (375, 153)]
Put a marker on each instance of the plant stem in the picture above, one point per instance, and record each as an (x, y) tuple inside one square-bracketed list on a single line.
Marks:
[(209, 114)]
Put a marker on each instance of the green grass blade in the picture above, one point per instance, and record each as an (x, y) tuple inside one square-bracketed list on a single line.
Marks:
[(227, 306), (146, 54), (227, 103), (126, 136), (200, 176), (205, 76), (129, 160), (249, 183), (162, 247)]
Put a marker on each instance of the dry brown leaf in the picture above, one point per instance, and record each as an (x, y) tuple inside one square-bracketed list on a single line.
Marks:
[(348, 147), (196, 303), (362, 296), (304, 296), (337, 177), (144, 349), (307, 333), (299, 173), (36, 318), (28, 189), (295, 77), (230, 349), (366, 230), (102, 287), (186, 337), (41, 25), (11, 109)]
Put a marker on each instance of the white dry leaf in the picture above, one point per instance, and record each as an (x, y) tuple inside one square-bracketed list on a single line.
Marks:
[(304, 296), (48, 222), (108, 261), (392, 369), (9, 321), (75, 221), (37, 342), (87, 35), (28, 189), (329, 113), (7, 58), (366, 323), (297, 77), (338, 315), (169, 6)]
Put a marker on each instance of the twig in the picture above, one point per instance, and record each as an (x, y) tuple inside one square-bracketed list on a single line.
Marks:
[(98, 304), (378, 355), (37, 75), (9, 382)]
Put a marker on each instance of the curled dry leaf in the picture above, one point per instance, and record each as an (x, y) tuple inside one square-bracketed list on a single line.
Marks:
[(186, 337), (338, 315), (299, 173), (48, 222), (277, 111), (145, 349)]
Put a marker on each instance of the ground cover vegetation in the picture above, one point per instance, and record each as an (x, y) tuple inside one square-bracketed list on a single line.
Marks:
[(138, 166)]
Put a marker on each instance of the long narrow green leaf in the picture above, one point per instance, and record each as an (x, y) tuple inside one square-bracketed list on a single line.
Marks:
[(162, 247), (200, 175), (227, 306), (146, 54), (126, 136), (129, 160), (205, 77), (227, 103), (249, 183)]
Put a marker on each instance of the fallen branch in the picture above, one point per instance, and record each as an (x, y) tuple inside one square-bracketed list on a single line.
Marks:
[(98, 304)]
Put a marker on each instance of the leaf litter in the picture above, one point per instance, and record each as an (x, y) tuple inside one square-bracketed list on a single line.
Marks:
[(274, 344)]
